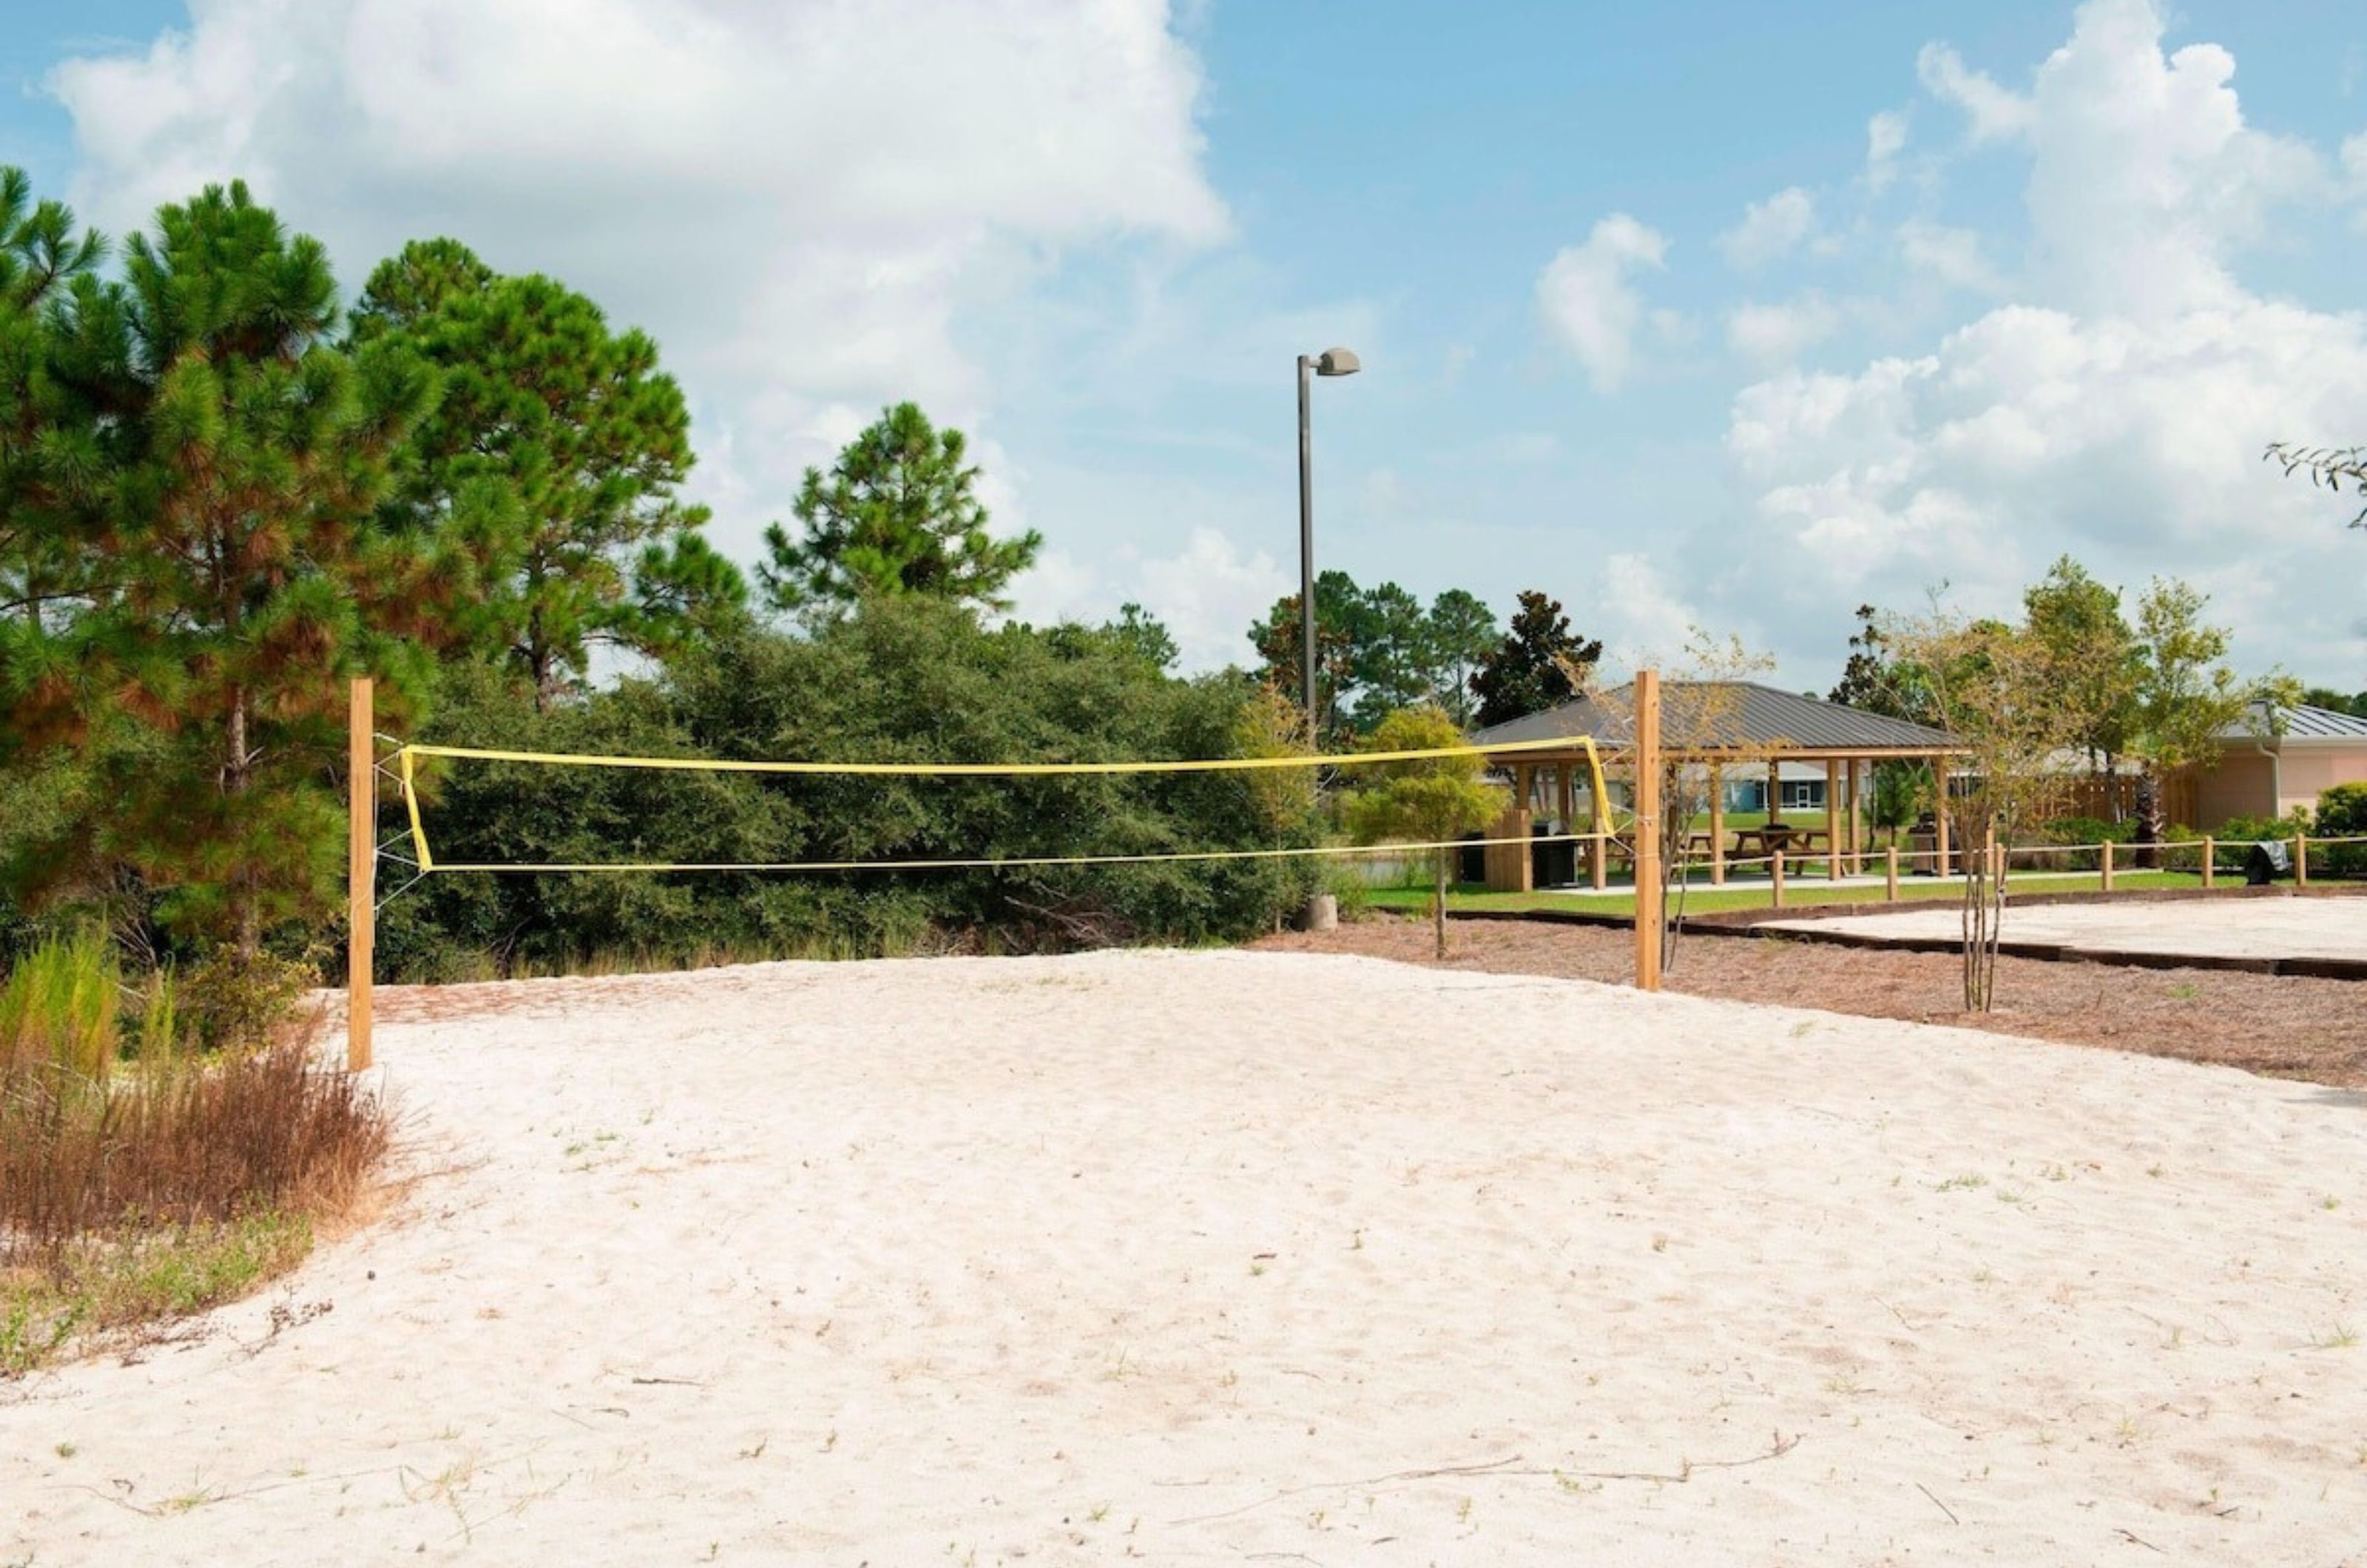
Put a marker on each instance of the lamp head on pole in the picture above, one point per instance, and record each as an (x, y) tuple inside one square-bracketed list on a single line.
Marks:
[(1338, 361)]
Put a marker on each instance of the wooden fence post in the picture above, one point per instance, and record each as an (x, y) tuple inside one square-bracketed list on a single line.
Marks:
[(2209, 854), (1775, 870), (2108, 865), (2301, 860), (1890, 875), (361, 868), (1647, 830)]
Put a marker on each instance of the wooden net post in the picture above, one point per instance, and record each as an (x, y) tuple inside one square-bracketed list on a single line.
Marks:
[(361, 869), (1647, 829)]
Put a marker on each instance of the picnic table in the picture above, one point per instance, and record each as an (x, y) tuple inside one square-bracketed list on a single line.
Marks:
[(1775, 838)]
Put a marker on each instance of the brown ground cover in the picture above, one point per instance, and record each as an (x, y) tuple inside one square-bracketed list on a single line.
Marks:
[(2286, 1027)]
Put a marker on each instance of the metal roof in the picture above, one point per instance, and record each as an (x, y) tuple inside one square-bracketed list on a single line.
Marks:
[(2298, 722), (1691, 718)]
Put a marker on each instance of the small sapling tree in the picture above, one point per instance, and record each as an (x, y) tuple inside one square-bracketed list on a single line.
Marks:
[(1431, 800)]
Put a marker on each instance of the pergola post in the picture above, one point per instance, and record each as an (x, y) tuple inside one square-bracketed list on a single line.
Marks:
[(1940, 814), (1774, 791), (1856, 839), (1717, 826), (1832, 819), (1598, 858)]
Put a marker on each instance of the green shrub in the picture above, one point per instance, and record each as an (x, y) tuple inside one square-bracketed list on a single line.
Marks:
[(2236, 837), (2085, 830), (901, 681), (228, 1000), (2342, 814)]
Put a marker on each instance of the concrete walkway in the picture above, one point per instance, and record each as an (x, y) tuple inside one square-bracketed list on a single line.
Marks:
[(2227, 929)]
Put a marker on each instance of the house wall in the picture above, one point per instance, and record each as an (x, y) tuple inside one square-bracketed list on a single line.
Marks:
[(1799, 795), (2243, 784), (2310, 773)]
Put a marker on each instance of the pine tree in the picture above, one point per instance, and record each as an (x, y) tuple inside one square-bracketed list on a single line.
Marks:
[(239, 566), (51, 393), (898, 513), (1460, 632), (1280, 654), (554, 457)]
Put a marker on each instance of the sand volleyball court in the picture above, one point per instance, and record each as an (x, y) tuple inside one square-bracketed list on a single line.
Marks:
[(2234, 929), (1230, 1257)]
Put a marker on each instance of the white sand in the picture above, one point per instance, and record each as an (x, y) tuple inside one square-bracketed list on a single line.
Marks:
[(1215, 1258), (2228, 928)]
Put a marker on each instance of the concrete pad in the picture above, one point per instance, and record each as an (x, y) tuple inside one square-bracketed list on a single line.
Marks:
[(2201, 928)]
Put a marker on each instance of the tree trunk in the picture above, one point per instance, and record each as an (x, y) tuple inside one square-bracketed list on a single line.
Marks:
[(2149, 820), (236, 776), (1983, 919), (1438, 899)]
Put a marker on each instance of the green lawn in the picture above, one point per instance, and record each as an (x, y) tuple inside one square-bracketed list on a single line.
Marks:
[(1799, 892)]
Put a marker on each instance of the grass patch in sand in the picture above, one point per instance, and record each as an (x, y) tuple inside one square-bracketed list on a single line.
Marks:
[(154, 1164), (96, 1289)]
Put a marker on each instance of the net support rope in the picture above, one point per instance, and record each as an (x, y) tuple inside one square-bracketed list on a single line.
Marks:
[(405, 760)]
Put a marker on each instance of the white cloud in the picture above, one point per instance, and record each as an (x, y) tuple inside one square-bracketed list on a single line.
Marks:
[(1997, 113), (1209, 593), (1643, 620), (1778, 333), (2117, 410), (1770, 230), (1588, 298), (1949, 257), (2146, 180), (1885, 138), (798, 199), (1058, 587)]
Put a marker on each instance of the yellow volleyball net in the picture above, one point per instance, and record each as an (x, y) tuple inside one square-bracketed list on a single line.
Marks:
[(403, 768)]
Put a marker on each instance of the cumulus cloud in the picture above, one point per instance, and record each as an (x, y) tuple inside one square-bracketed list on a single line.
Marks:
[(2146, 179), (1770, 230), (1590, 301), (1779, 333), (1949, 257), (799, 199), (1995, 113), (1209, 593), (1885, 138), (2117, 409), (1643, 620)]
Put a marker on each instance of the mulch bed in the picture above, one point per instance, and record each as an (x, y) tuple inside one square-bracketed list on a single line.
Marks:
[(2283, 1026)]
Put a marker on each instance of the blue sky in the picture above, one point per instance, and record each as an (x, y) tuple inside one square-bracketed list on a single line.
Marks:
[(1726, 314)]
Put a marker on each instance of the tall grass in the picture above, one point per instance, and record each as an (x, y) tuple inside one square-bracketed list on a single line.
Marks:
[(143, 1149), (59, 1007)]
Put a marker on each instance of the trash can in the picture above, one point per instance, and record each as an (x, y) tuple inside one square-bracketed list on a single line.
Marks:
[(1923, 847), (2267, 860), (1552, 865), (1471, 859)]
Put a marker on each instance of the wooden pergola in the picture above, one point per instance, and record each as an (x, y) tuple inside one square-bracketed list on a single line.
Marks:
[(1725, 727)]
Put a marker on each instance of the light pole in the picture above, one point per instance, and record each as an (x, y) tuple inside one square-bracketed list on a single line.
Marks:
[(1330, 362)]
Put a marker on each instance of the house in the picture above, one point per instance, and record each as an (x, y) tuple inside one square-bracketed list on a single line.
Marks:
[(1800, 786), (2274, 762)]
